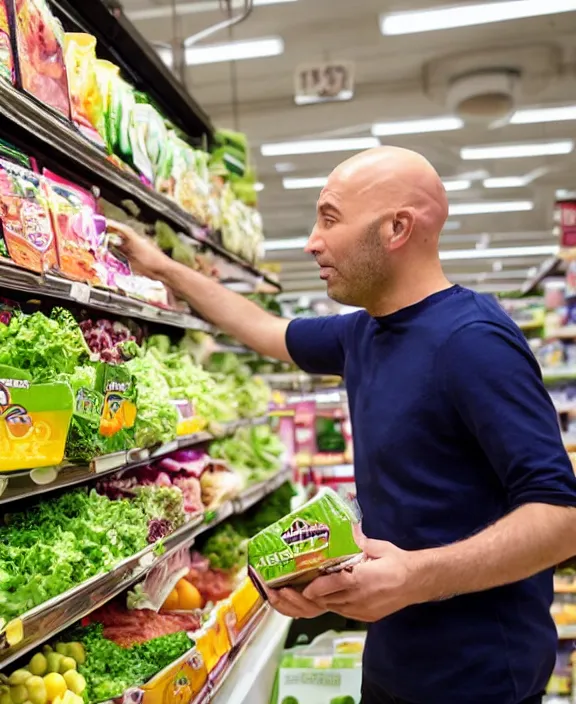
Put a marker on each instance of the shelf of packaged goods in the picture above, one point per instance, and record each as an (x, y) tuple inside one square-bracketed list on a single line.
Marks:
[(559, 373), (249, 678), (26, 484), (549, 267), (14, 278), (53, 132), (301, 380), (567, 632), (25, 633)]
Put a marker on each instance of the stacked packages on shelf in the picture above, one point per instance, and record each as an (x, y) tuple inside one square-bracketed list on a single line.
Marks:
[(61, 70), (77, 391)]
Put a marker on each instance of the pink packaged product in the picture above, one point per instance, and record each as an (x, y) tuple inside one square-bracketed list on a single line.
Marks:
[(40, 66), (77, 228)]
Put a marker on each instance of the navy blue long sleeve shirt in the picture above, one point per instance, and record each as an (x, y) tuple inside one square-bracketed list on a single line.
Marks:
[(453, 429)]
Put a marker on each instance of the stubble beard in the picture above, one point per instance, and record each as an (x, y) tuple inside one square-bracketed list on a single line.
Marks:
[(364, 274)]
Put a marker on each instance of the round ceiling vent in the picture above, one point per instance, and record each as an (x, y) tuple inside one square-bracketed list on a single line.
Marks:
[(484, 96)]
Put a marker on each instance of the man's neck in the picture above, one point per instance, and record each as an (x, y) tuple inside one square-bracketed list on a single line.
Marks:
[(406, 294)]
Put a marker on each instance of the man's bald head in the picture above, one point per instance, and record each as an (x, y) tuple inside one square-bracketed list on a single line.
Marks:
[(394, 177), (379, 219)]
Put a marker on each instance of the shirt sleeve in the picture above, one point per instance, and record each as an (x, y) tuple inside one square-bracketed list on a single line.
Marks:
[(496, 387), (318, 345)]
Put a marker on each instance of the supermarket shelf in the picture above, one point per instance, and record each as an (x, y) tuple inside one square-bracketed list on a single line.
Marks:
[(250, 678), (57, 134), (301, 379), (121, 42), (22, 485), (43, 622), (549, 267), (560, 373), (14, 278), (567, 632)]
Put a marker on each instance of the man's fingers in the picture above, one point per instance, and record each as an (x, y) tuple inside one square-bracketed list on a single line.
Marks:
[(330, 584), (290, 603)]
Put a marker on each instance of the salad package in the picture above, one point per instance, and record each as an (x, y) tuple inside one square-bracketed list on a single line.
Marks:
[(314, 539), (6, 55), (86, 98), (79, 232), (41, 69), (26, 224)]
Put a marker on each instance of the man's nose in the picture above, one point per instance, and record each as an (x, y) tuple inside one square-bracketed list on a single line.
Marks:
[(315, 243)]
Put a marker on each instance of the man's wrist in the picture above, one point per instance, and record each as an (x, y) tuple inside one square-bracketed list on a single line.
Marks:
[(424, 568)]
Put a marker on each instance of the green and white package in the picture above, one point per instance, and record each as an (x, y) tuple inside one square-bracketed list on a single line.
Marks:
[(308, 542)]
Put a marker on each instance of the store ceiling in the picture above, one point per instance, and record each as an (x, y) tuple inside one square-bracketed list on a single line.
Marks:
[(396, 78)]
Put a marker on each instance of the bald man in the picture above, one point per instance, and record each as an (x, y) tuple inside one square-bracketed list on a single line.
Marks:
[(468, 496)]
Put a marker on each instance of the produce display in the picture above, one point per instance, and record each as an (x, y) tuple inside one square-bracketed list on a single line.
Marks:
[(62, 71), (316, 537)]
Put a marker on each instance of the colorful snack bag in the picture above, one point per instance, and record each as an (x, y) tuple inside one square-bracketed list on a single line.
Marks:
[(74, 224), (105, 73), (25, 218), (85, 96), (306, 543), (6, 55), (41, 69)]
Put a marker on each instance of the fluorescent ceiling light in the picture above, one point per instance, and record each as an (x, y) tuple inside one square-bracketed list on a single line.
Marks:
[(189, 8), (470, 15), (293, 184), (288, 243), (505, 182), (319, 146), (500, 206), (234, 51), (551, 114), (433, 124), (457, 185), (513, 151), (499, 252)]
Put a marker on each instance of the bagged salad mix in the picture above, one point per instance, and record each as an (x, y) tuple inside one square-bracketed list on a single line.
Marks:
[(79, 232), (26, 224), (6, 55), (85, 96), (314, 539), (41, 69)]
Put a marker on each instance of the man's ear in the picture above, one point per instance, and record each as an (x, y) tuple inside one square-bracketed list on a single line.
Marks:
[(403, 226)]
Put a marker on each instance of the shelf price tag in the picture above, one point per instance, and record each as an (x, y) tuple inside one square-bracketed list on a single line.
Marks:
[(80, 292)]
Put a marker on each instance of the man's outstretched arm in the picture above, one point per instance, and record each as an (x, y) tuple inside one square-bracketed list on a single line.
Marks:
[(229, 311)]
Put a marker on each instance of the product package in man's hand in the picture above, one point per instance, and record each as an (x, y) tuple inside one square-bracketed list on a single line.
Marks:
[(315, 539)]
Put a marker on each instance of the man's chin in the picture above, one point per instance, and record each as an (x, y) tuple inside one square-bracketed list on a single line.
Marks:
[(336, 293)]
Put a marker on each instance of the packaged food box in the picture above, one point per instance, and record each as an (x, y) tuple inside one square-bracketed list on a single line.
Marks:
[(313, 539), (40, 64), (34, 421)]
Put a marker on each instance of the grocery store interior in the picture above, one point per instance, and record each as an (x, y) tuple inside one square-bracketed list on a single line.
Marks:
[(145, 456)]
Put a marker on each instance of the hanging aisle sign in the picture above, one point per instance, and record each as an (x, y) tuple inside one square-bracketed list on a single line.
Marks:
[(324, 82)]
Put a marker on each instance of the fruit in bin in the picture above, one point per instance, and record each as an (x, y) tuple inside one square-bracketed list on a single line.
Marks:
[(37, 693), (172, 601), (55, 685), (53, 661), (61, 648), (67, 664), (189, 598), (18, 694), (75, 681), (38, 665), (19, 677), (76, 651), (5, 697), (46, 649)]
